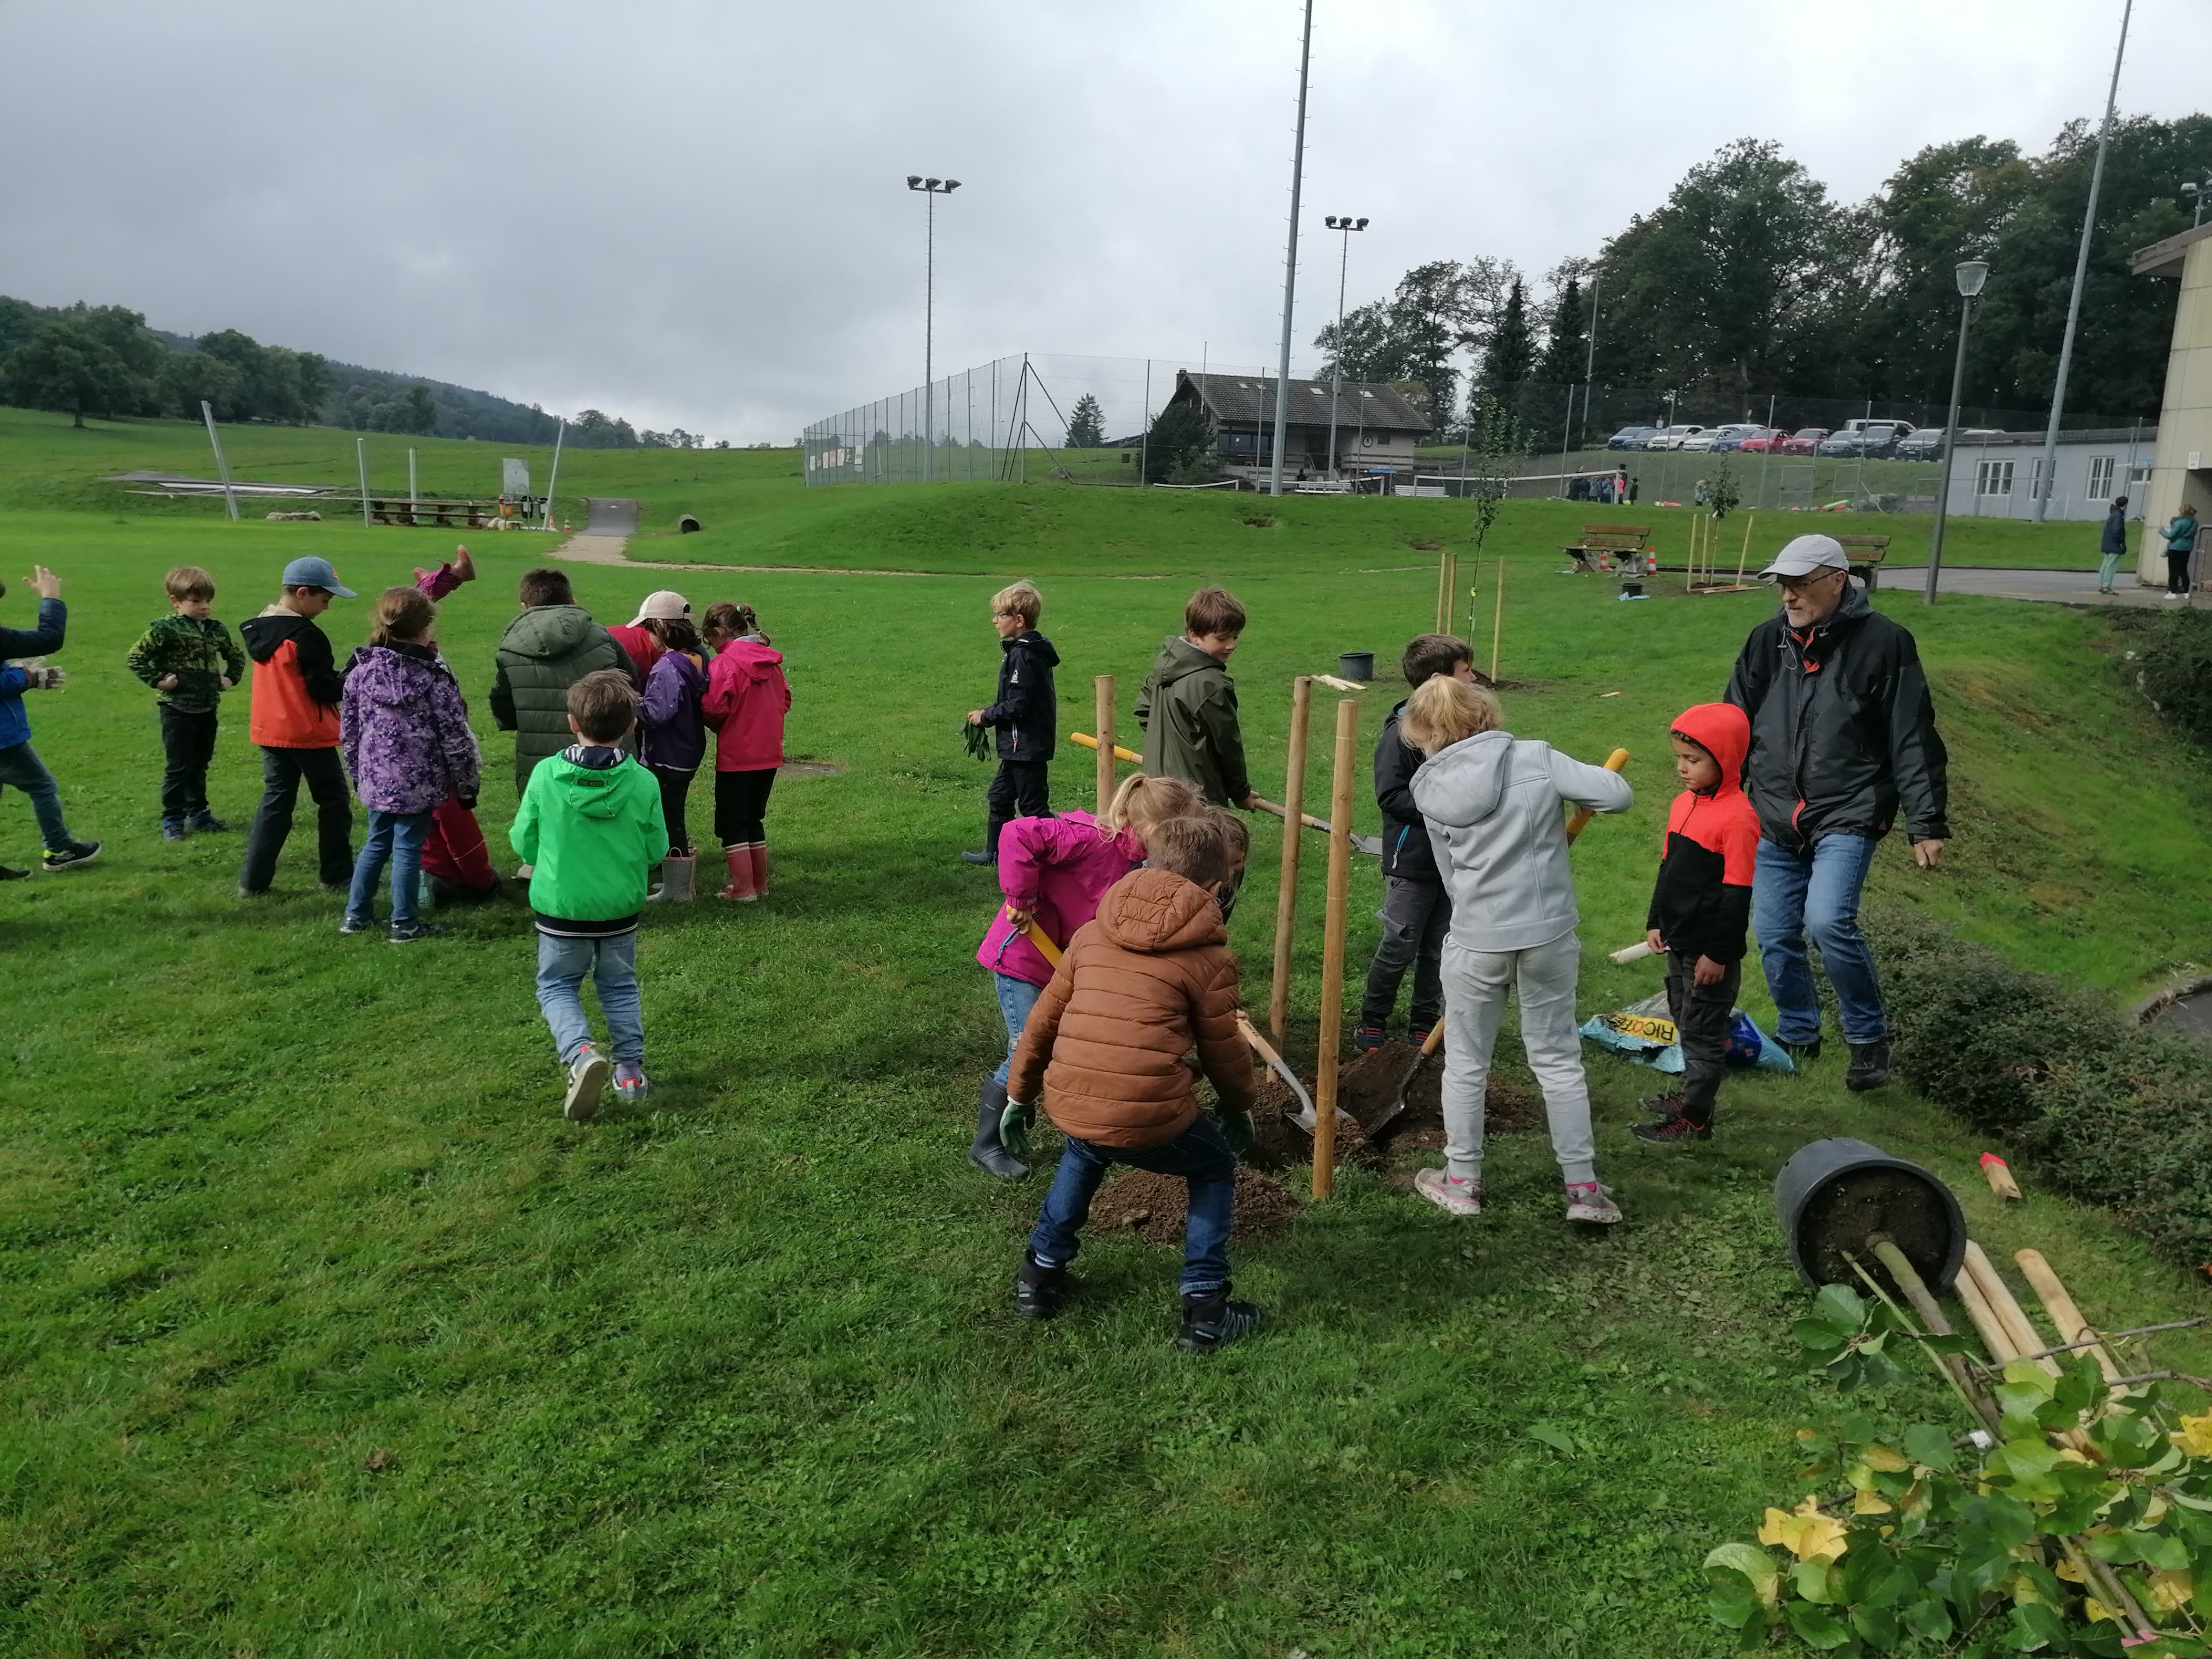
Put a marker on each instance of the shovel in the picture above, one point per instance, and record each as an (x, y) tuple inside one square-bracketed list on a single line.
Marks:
[(1365, 843), (1307, 1116)]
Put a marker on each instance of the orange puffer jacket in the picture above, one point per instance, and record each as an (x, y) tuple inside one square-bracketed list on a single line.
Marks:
[(1147, 979)]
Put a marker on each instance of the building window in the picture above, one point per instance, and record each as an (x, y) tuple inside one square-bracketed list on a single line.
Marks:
[(1993, 478), (2035, 476), (2139, 475), (2100, 477)]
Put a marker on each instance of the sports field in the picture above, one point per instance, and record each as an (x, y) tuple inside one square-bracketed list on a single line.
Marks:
[(324, 1335)]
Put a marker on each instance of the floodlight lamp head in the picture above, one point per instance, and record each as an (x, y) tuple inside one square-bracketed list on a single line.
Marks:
[(1331, 221), (2191, 188), (914, 182), (931, 184), (952, 185), (1362, 225), (1972, 274)]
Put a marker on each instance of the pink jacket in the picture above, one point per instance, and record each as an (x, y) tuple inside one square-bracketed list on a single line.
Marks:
[(1056, 869), (747, 697)]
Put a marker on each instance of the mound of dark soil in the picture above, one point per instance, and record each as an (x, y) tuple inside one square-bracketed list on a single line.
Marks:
[(1155, 1206), (1369, 1083)]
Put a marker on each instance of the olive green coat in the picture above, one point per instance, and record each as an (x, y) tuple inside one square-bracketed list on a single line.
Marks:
[(1188, 711), (545, 650)]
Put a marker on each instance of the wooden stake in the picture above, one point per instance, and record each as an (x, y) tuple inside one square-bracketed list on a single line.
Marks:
[(2072, 1327), (1497, 616), (1907, 1278), (1443, 590), (1998, 1174), (1286, 892), (1105, 718), (2018, 1331), (1331, 945), (1987, 1325), (1743, 553)]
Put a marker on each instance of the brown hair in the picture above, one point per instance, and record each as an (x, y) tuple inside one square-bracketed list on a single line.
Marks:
[(1428, 655), (733, 620), (1019, 600), (1212, 611), (1235, 834), (676, 633), (546, 586), (603, 705), (1142, 803), (189, 581), (1440, 713), (402, 614), (1193, 848)]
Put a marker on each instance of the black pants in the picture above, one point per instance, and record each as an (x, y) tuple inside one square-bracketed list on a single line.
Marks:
[(741, 806), (187, 746), (1020, 789), (675, 790), (1701, 1014), (2177, 571), (1416, 915), (281, 769)]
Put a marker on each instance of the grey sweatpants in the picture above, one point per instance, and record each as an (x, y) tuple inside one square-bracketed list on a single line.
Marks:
[(1475, 987)]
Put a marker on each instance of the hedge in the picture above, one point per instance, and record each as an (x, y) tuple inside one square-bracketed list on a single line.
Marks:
[(2167, 656)]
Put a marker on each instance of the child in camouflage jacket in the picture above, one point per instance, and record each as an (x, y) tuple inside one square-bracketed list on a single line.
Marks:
[(190, 660)]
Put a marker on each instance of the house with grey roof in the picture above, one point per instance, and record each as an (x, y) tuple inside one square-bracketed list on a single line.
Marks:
[(1377, 425)]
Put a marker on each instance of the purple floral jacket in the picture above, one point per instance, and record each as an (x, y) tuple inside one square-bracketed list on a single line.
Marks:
[(404, 730)]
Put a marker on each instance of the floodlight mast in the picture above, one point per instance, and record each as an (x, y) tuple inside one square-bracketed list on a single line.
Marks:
[(1291, 258), (1971, 275), (1345, 224), (932, 188)]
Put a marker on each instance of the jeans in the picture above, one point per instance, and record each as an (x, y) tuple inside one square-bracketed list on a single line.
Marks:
[(1416, 915), (1479, 980), (398, 837), (1198, 1155), (1817, 893), (22, 768), (612, 964), (741, 806), (281, 769), (1701, 1014), (187, 746), (1018, 1000), (1020, 789)]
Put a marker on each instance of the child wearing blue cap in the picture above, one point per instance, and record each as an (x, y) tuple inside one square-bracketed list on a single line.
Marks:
[(297, 685)]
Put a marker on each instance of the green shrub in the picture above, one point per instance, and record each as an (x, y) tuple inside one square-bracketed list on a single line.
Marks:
[(2116, 1115), (2167, 656)]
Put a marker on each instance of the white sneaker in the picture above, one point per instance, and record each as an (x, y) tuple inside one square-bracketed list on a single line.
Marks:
[(587, 1077), (522, 871), (1450, 1192), (1587, 1202)]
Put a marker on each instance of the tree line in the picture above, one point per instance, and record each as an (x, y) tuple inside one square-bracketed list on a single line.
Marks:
[(1751, 278)]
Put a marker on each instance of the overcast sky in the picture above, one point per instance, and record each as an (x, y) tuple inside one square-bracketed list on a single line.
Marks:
[(696, 214)]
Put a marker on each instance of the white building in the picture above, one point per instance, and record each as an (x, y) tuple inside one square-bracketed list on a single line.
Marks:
[(2184, 469), (1997, 476)]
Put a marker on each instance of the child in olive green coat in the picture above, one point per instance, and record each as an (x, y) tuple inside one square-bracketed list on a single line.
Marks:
[(190, 660)]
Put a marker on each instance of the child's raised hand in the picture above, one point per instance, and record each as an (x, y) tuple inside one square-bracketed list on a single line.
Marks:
[(1709, 972)]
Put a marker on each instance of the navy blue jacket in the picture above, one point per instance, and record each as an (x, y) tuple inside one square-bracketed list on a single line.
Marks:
[(53, 624), (1028, 708), (1407, 854), (2115, 532)]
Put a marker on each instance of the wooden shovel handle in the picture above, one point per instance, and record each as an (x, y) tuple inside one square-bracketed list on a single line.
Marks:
[(1120, 753), (1578, 820)]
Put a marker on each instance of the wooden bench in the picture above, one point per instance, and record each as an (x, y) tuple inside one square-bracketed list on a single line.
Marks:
[(388, 509), (1866, 554), (1601, 542)]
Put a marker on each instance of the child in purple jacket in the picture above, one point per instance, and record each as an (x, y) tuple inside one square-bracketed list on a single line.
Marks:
[(1053, 872), (671, 741), (405, 734)]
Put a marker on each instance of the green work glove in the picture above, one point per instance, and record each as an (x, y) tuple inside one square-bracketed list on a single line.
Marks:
[(1014, 1128), (1236, 1129)]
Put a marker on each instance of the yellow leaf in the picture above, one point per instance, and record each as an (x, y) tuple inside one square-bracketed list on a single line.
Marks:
[(1808, 1535), (1870, 1502), (2069, 1571), (2171, 1588), (1885, 1461), (2196, 1435), (2096, 1610)]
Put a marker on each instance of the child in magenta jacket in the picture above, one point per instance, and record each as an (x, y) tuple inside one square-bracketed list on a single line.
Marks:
[(1053, 872), (746, 699)]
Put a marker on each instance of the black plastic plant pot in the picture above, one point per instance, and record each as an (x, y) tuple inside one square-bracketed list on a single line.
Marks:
[(1356, 666), (1832, 1195)]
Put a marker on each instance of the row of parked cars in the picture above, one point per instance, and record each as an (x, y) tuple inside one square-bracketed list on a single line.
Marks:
[(1873, 438)]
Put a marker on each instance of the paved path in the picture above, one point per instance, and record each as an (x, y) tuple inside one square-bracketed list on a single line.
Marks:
[(2049, 586), (609, 550)]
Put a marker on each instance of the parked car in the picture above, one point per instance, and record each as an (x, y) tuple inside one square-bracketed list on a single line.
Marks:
[(1764, 440), (1841, 443), (1630, 437), (1805, 441), (1672, 437), (1924, 443), (1730, 436)]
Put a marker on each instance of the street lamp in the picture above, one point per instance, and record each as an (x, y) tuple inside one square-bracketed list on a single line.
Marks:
[(1970, 274), (932, 188), (1346, 224), (2194, 190)]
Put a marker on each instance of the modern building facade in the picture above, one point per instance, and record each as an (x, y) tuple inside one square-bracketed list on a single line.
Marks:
[(1994, 475), (2182, 471)]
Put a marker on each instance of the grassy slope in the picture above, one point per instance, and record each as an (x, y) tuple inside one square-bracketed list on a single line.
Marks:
[(734, 1374)]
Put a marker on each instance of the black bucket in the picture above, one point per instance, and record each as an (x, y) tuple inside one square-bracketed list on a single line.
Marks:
[(1832, 1194), (1356, 666)]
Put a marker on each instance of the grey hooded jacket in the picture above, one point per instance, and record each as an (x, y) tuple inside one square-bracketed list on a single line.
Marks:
[(1494, 805)]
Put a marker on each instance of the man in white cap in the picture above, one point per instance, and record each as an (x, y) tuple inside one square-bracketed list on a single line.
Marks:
[(1842, 735), (637, 640)]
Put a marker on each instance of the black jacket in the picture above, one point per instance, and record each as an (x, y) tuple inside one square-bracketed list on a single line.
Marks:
[(2115, 532), (1028, 708), (1407, 854), (1843, 729)]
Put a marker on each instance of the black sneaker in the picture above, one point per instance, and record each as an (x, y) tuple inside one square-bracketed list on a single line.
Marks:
[(1214, 1321), (6, 874), (1038, 1289), (1869, 1067), (353, 925), (1367, 1038), (205, 823), (1660, 1106), (76, 853), (172, 829), (1667, 1131), (406, 933), (1801, 1052)]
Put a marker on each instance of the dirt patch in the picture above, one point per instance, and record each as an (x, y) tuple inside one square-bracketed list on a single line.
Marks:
[(1155, 1206), (1367, 1087), (1422, 544), (808, 768), (1260, 521)]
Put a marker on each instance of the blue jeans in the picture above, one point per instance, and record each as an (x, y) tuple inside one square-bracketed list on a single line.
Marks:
[(1198, 1155), (398, 837), (1018, 1000), (20, 765), (1816, 894), (612, 964)]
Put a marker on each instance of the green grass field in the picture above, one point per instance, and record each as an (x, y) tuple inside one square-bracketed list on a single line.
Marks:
[(325, 1335)]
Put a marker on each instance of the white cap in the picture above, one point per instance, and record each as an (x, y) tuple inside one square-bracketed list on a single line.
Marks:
[(667, 605), (1807, 555)]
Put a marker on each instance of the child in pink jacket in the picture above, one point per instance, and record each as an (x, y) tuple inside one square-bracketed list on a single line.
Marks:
[(1053, 872), (746, 700)]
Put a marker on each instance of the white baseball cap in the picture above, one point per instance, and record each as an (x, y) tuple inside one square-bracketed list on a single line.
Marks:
[(1807, 556), (667, 605)]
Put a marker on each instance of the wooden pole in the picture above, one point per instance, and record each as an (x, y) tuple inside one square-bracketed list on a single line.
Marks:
[(1443, 590), (1907, 1278), (1105, 718), (1497, 616), (1743, 554), (2018, 1331), (1331, 945), (2072, 1327), (1286, 892)]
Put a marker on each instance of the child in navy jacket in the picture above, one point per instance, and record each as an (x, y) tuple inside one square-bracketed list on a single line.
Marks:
[(1023, 716)]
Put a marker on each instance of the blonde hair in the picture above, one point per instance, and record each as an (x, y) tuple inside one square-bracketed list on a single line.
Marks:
[(1443, 712), (1020, 600), (1142, 804)]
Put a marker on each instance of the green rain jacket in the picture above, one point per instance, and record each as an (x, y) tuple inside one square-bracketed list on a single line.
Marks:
[(590, 825), (1188, 711), (544, 651)]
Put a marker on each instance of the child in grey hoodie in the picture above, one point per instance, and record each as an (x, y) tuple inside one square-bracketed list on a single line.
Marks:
[(1493, 805)]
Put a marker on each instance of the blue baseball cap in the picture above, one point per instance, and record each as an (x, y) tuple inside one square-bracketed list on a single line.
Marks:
[(312, 572)]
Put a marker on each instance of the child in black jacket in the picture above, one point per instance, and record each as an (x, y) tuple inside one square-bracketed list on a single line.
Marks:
[(1024, 715)]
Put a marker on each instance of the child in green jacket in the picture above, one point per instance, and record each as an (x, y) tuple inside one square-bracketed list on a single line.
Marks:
[(591, 828), (190, 660)]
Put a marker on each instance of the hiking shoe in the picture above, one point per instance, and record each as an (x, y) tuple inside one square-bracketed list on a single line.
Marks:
[(1668, 1130), (1801, 1052), (630, 1086), (357, 924), (1418, 1035), (978, 858), (406, 933), (6, 874), (523, 872), (1869, 1067), (1215, 1321), (1587, 1202), (205, 823), (76, 853), (1038, 1289), (1367, 1038), (1450, 1192), (587, 1076), (1660, 1106), (172, 829)]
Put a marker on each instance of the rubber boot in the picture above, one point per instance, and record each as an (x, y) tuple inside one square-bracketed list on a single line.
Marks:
[(984, 1151), (759, 850), (679, 876), (1869, 1067), (740, 889)]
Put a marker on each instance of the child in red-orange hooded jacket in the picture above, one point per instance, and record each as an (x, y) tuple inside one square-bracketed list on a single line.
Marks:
[(1701, 909)]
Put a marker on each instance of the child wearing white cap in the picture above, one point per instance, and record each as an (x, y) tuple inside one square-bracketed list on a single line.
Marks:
[(640, 643)]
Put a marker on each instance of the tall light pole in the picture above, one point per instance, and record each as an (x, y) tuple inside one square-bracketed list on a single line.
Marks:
[(1291, 258), (2047, 477), (1970, 274), (1346, 224), (1590, 358), (934, 188)]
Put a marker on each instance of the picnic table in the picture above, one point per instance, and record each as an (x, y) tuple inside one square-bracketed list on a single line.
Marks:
[(475, 515), (1601, 543), (1866, 554)]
